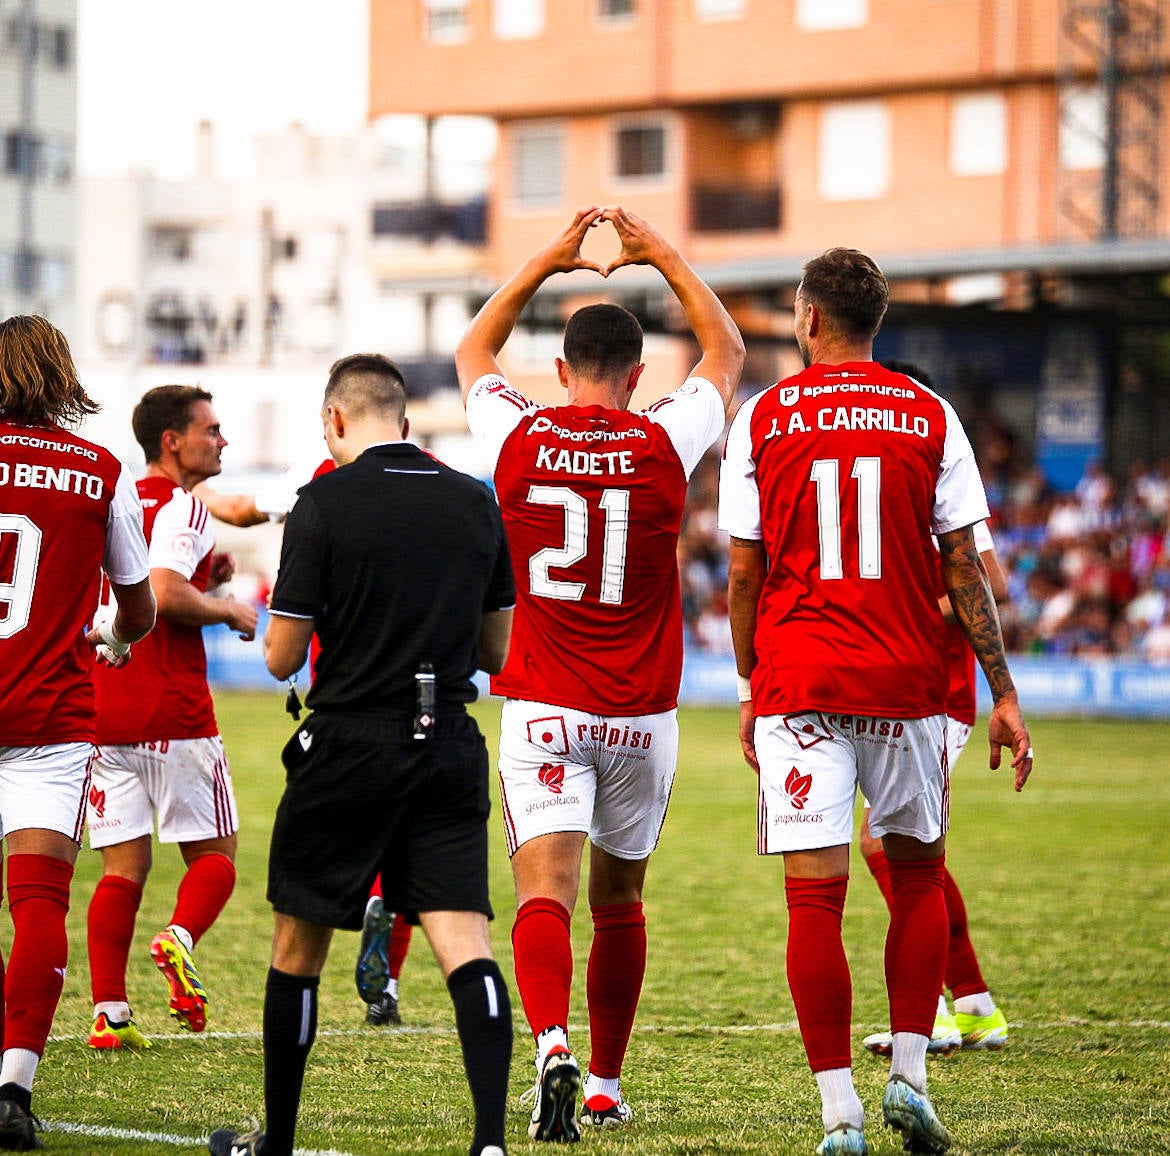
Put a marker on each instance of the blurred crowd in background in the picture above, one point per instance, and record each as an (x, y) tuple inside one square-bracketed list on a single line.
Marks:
[(1089, 571)]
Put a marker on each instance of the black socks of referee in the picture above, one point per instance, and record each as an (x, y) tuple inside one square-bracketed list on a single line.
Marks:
[(483, 1017), (290, 1026)]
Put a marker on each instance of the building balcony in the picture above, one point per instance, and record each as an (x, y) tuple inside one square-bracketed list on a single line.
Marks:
[(464, 222), (737, 208)]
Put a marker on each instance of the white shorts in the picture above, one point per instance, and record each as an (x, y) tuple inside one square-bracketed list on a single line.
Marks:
[(957, 736), (43, 788), (813, 763), (186, 781), (566, 770)]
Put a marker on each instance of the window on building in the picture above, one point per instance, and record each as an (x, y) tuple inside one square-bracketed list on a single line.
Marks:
[(639, 150), (517, 19), (978, 134), (616, 11), (57, 160), (854, 151), (60, 46), (538, 164), (446, 21), (822, 15), (1082, 127), (171, 244), (22, 154), (719, 9)]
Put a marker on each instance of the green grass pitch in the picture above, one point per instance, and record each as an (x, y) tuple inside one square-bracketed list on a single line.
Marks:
[(1068, 888)]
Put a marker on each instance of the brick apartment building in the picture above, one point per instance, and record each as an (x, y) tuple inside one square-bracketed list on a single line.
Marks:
[(1005, 160)]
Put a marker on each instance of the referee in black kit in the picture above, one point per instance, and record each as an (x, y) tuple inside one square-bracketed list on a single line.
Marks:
[(399, 564)]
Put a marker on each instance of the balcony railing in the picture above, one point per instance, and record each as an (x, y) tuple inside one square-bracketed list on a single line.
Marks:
[(735, 208), (462, 221)]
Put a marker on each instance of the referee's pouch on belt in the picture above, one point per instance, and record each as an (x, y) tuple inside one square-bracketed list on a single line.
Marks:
[(296, 751)]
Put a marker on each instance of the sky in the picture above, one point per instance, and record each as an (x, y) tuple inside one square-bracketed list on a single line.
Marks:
[(150, 70)]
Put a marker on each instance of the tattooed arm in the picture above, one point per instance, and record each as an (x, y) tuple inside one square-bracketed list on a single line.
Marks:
[(967, 584)]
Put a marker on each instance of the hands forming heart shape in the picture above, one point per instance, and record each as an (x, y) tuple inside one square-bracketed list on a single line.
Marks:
[(641, 242)]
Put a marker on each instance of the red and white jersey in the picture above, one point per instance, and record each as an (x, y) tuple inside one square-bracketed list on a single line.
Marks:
[(844, 472), (960, 657), (68, 508), (592, 500), (162, 693)]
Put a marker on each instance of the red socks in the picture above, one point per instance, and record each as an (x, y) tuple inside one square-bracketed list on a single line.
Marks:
[(112, 912), (879, 868), (399, 945), (38, 897), (203, 892), (963, 976), (543, 954), (916, 944), (818, 973), (617, 965)]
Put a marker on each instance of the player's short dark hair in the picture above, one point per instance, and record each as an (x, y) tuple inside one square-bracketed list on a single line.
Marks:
[(38, 380), (602, 341), (166, 407), (365, 382), (909, 368), (849, 289)]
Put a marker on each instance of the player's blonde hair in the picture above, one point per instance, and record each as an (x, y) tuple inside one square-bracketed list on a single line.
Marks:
[(38, 380)]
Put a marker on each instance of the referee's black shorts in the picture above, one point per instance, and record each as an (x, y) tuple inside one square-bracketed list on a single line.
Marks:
[(362, 796)]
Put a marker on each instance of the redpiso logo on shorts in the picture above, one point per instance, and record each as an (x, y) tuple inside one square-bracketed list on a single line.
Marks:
[(807, 729), (552, 775), (797, 787), (549, 733), (97, 800)]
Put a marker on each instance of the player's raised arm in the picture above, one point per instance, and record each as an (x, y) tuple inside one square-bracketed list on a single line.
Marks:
[(719, 339), (494, 323)]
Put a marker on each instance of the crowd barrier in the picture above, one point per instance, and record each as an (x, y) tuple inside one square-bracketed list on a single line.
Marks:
[(1047, 686)]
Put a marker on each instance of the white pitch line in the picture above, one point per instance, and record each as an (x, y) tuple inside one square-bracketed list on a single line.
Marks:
[(102, 1132), (639, 1029)]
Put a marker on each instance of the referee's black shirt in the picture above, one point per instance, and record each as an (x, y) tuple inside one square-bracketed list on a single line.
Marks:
[(396, 557)]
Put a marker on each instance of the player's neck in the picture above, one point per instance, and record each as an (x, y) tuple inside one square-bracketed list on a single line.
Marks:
[(173, 472), (840, 352), (603, 393)]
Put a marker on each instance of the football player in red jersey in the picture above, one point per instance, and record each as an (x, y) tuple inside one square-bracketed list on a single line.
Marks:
[(592, 496), (68, 510), (160, 754), (832, 485)]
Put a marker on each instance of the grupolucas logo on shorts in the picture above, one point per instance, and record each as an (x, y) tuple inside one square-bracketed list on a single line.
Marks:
[(552, 775), (797, 787)]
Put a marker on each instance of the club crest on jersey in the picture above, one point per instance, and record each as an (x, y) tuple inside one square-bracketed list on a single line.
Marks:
[(549, 733), (97, 800), (789, 394), (551, 775), (797, 787), (807, 729)]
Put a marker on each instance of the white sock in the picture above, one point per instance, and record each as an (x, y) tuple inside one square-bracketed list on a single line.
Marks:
[(391, 988), (18, 1067), (371, 901), (596, 1086), (115, 1012), (942, 1007), (908, 1058), (980, 1004), (554, 1037), (183, 936), (839, 1100)]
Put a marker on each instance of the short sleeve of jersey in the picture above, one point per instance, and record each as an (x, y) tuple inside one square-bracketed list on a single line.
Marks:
[(983, 538), (299, 590), (739, 493), (125, 560), (181, 536), (693, 415), (494, 409), (959, 499)]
